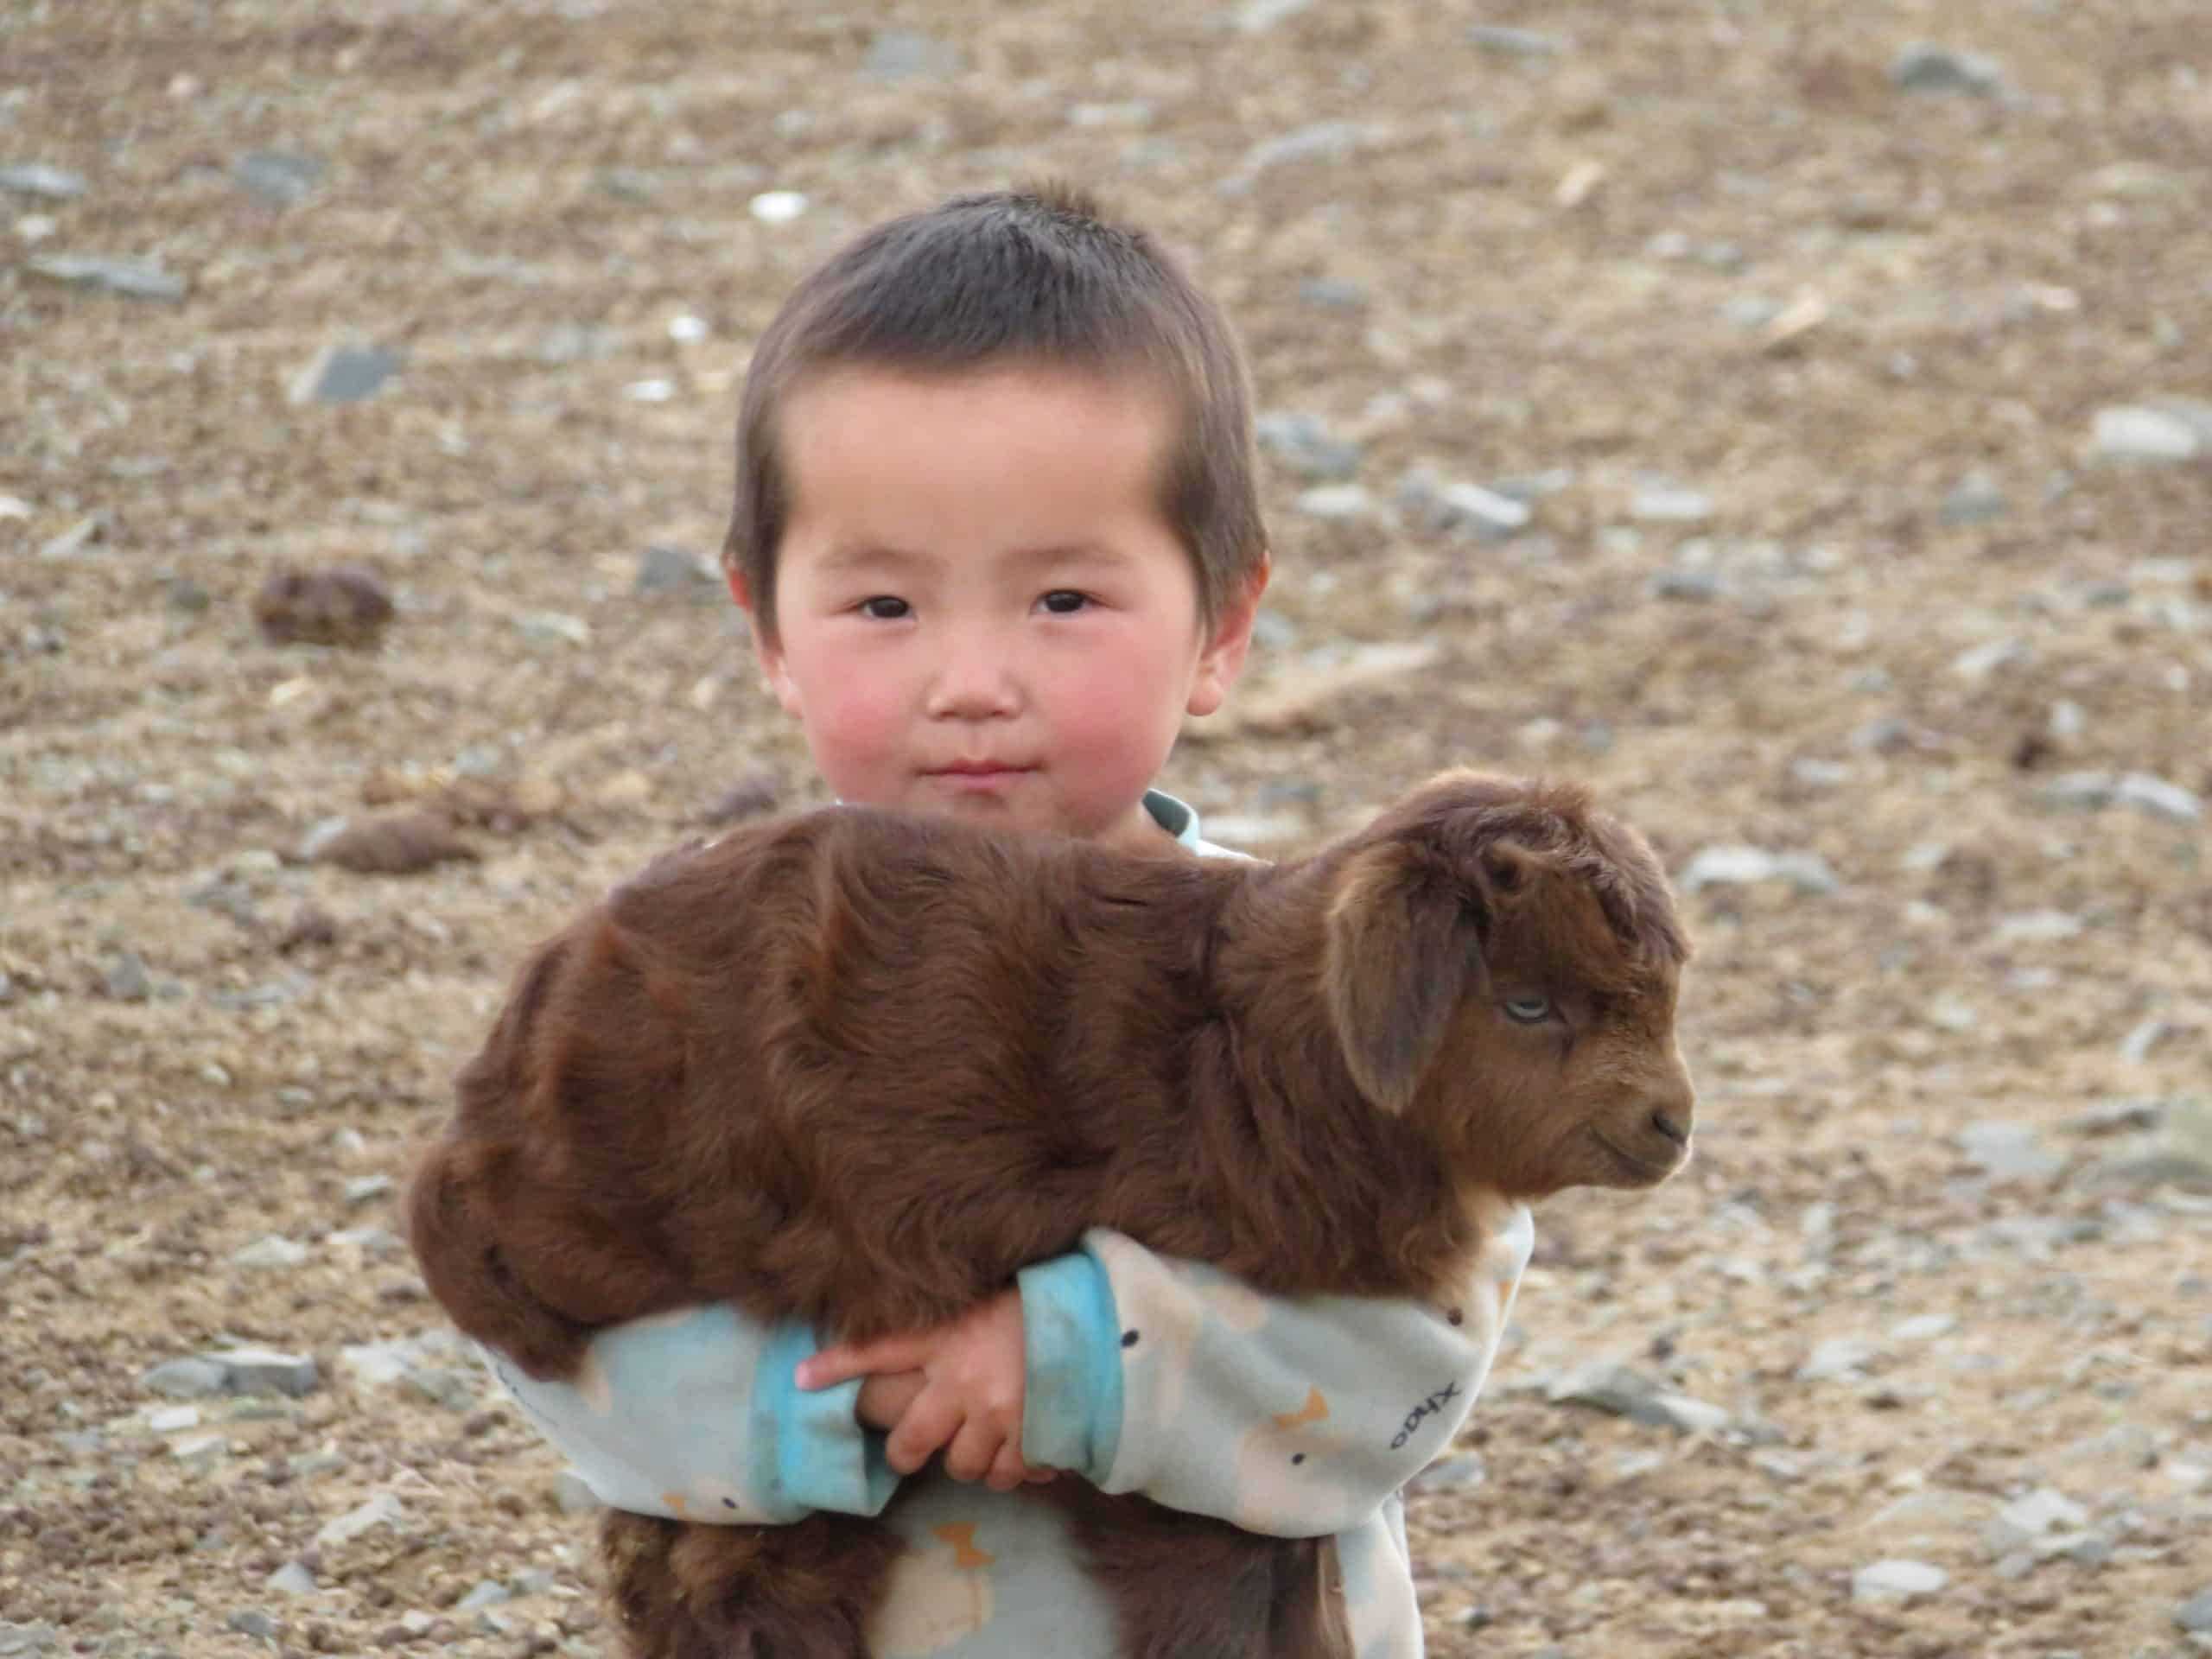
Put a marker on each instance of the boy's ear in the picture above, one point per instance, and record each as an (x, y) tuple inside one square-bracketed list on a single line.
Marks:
[(1222, 658), (774, 673)]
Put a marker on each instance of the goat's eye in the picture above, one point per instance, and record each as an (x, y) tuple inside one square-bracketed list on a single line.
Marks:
[(1529, 1010)]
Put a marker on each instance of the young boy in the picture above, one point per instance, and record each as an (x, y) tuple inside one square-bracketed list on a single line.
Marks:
[(997, 533)]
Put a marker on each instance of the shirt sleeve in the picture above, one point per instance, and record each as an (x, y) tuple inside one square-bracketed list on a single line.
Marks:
[(695, 1416), (1297, 1416)]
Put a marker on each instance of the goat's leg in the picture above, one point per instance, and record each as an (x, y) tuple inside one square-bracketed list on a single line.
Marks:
[(805, 1591), (1188, 1587)]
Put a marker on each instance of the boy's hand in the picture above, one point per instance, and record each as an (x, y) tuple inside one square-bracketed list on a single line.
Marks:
[(959, 1387)]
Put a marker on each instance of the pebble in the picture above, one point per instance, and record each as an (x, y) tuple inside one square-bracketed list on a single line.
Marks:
[(904, 54), (1449, 505), (778, 206), (2196, 1614), (344, 374), (675, 570), (332, 605), (2096, 790), (271, 1252), (126, 978), (186, 1379), (36, 179), (1336, 503), (549, 627), (487, 1593), (1924, 67), (1257, 16), (1669, 503), (1732, 865), (1611, 1385), (134, 279), (1837, 1359), (2137, 434), (1979, 662), (375, 1363), (293, 1578), (1304, 443), (1320, 141), (382, 1510), (281, 178), (1896, 1581), (1507, 41), (1974, 499), (2008, 1152), (15, 1639), (265, 1371), (2025, 1520)]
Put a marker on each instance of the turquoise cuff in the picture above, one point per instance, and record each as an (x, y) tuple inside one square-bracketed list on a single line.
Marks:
[(1071, 1408), (809, 1450)]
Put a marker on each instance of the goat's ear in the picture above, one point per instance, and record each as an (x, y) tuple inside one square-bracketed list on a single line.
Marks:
[(1395, 965)]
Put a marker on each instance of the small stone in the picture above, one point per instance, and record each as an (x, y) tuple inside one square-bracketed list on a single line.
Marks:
[(1257, 16), (2037, 927), (382, 1510), (344, 374), (2195, 1615), (131, 279), (250, 1621), (1922, 68), (126, 978), (1680, 1411), (549, 627), (2159, 797), (675, 570), (364, 1189), (778, 206), (1306, 446), (1671, 504), (1922, 1327), (2132, 434), (1336, 503), (1460, 1473), (391, 843), (292, 1580), (185, 1379), (2008, 1151), (15, 1639), (265, 1370), (1974, 499), (903, 54), (1696, 586), (2136, 1047), (1506, 42), (1732, 865), (36, 179), (334, 604), (200, 1452), (1606, 1385), (1896, 1581), (1985, 659), (1837, 1359), (269, 1253), (2023, 1521), (278, 177), (487, 1593)]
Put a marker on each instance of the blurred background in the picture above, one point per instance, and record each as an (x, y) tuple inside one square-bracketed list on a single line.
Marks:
[(1794, 419)]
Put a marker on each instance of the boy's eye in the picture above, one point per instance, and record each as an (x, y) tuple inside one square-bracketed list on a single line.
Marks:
[(884, 607), (1064, 602)]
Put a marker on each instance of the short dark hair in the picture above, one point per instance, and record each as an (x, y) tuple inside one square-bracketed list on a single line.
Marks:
[(1041, 275)]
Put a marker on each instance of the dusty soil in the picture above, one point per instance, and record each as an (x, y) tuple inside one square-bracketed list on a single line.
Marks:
[(1714, 244)]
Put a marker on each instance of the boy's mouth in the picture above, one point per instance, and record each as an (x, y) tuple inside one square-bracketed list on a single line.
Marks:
[(967, 775)]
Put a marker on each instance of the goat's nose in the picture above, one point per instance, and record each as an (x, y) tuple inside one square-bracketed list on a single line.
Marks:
[(1671, 1127)]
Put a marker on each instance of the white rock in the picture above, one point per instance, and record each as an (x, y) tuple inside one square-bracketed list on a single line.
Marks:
[(779, 206), (382, 1510), (2157, 797), (1837, 1358), (1894, 1581), (292, 1580), (2133, 433), (1922, 1327), (1736, 865), (269, 1252)]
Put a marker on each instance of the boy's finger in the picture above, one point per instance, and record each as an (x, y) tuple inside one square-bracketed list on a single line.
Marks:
[(844, 1361), (1007, 1470), (974, 1450), (928, 1424)]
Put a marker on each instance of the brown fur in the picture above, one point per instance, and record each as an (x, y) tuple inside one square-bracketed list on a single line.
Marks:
[(858, 1068)]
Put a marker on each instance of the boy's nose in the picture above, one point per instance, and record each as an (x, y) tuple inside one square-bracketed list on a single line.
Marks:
[(973, 683)]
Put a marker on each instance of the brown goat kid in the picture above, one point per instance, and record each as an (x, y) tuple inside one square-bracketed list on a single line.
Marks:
[(858, 1068)]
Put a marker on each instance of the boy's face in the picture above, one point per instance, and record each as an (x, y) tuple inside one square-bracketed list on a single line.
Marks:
[(979, 607)]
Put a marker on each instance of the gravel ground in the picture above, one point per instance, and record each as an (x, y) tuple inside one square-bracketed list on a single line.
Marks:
[(1799, 434)]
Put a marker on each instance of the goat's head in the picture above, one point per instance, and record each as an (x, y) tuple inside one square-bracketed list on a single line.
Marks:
[(1501, 966)]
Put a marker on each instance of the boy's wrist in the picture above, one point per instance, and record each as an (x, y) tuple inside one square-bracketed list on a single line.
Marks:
[(1071, 1413)]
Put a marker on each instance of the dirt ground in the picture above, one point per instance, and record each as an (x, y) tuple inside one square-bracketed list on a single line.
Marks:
[(1735, 311)]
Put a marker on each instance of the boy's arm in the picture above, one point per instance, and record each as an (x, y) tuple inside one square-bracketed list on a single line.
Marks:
[(695, 1415), (1296, 1416)]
